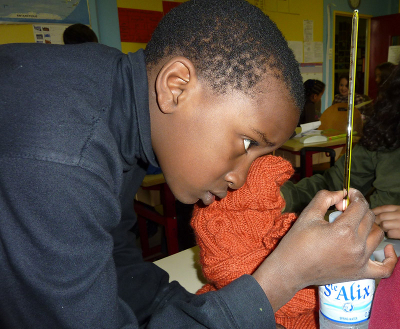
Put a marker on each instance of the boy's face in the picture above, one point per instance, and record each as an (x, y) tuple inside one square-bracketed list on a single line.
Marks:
[(208, 144)]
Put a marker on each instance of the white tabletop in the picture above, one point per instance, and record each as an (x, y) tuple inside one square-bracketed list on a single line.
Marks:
[(184, 267)]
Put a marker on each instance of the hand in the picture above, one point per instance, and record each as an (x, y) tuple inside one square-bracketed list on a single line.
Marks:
[(388, 218), (315, 252)]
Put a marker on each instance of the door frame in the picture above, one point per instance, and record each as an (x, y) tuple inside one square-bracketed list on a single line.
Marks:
[(367, 50)]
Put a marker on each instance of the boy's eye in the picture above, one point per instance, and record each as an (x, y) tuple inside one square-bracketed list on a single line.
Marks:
[(248, 143)]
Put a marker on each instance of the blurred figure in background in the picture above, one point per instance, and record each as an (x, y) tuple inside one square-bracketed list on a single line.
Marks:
[(79, 33), (313, 90), (382, 72)]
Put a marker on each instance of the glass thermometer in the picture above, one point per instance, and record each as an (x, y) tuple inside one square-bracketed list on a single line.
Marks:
[(349, 132)]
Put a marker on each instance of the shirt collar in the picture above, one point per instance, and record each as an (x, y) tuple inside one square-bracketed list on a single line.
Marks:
[(141, 102)]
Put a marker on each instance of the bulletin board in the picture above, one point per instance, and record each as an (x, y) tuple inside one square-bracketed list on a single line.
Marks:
[(47, 33), (42, 21), (45, 11)]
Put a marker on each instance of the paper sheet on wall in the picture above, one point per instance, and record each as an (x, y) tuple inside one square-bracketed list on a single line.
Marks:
[(308, 30), (394, 55), (49, 33), (297, 48), (313, 52), (311, 71)]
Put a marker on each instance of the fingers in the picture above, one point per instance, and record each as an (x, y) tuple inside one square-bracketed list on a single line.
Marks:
[(320, 204), (389, 224), (385, 209), (384, 269), (388, 218), (391, 227), (357, 214), (387, 212), (393, 234)]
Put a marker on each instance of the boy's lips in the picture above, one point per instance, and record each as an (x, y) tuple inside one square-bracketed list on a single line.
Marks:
[(209, 197)]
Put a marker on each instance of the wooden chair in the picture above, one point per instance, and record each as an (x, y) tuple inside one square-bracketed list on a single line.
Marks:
[(335, 117), (166, 216)]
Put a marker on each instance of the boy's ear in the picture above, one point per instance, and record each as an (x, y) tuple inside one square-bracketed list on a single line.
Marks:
[(173, 83)]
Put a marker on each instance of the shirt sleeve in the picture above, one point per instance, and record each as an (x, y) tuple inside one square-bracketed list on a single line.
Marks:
[(58, 269), (241, 304)]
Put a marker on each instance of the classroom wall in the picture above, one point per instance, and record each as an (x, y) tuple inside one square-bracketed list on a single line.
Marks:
[(154, 5), (10, 33), (367, 7), (289, 19), (291, 25), (104, 21)]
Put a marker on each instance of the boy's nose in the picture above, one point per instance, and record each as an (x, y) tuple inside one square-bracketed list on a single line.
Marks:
[(237, 177)]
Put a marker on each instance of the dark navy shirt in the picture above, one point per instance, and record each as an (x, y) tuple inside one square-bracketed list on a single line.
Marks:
[(74, 147)]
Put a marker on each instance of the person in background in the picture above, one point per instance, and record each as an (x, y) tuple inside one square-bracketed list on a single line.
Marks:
[(79, 33), (375, 169), (382, 73), (343, 96), (313, 90), (216, 88)]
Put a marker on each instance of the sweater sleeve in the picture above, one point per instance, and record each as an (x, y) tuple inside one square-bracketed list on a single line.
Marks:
[(298, 196)]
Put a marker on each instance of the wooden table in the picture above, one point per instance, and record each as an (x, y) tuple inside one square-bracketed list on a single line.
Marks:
[(291, 151)]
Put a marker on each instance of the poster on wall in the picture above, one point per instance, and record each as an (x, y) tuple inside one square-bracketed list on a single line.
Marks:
[(394, 55), (297, 48), (49, 11), (49, 33)]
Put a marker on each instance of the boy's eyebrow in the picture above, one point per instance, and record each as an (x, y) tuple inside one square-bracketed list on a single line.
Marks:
[(263, 137)]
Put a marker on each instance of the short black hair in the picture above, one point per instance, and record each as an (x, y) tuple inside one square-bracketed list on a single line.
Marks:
[(381, 132), (232, 44), (79, 33)]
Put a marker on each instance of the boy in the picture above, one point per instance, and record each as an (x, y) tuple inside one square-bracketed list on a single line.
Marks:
[(216, 88)]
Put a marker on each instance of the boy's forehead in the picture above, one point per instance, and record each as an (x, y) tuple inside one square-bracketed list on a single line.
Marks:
[(273, 88)]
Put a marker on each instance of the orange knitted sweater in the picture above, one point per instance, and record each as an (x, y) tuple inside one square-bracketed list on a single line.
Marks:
[(238, 232)]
